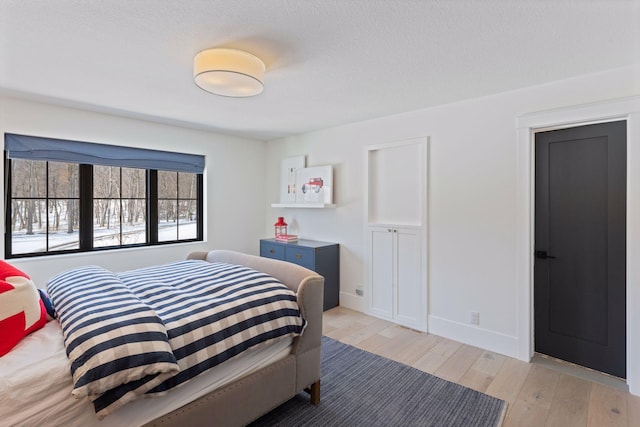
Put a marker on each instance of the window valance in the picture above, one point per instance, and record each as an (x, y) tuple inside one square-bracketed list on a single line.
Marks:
[(61, 150)]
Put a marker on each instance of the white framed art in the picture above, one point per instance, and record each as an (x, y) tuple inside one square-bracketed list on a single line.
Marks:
[(288, 168), (314, 185)]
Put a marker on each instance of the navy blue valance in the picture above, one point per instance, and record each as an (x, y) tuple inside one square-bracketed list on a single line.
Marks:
[(61, 150)]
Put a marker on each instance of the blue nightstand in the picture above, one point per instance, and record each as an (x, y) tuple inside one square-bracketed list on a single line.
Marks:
[(321, 257)]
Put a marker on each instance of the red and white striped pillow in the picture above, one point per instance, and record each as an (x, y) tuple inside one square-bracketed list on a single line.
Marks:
[(21, 308)]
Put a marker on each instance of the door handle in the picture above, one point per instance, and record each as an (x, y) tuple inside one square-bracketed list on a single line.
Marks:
[(543, 255)]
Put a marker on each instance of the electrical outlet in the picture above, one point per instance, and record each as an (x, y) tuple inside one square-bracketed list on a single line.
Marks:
[(360, 291), (474, 318)]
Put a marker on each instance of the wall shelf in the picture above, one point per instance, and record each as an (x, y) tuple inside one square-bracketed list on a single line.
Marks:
[(304, 205)]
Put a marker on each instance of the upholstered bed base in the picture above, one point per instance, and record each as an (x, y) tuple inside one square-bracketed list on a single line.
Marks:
[(246, 399)]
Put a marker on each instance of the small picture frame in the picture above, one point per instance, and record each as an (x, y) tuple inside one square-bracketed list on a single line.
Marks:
[(288, 168), (314, 185)]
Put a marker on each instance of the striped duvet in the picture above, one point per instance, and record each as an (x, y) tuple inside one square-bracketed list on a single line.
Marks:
[(146, 331)]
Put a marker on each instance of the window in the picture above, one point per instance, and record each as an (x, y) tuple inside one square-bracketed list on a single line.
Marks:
[(69, 196), (44, 206), (177, 206), (119, 206)]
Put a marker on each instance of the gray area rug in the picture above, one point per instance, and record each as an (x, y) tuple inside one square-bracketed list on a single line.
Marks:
[(362, 389)]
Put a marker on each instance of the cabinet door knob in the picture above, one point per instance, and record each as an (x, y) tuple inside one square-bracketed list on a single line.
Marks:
[(298, 256), (389, 230), (271, 251)]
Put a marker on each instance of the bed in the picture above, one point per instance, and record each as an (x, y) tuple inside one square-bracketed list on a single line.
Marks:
[(35, 384)]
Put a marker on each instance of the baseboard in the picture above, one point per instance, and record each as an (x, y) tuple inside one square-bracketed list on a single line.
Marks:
[(354, 302), (474, 335), (461, 332)]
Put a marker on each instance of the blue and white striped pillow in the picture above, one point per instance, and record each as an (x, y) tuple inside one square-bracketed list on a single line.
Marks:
[(111, 336)]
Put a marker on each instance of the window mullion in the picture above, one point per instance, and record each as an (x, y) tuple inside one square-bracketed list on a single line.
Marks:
[(177, 206), (8, 206), (152, 206), (86, 207), (200, 203), (46, 206), (121, 215)]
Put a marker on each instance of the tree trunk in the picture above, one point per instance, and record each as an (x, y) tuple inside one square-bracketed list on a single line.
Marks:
[(30, 206), (56, 216), (30, 209)]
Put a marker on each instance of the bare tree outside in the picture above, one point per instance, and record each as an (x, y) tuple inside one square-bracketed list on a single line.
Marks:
[(45, 206), (119, 206), (177, 205)]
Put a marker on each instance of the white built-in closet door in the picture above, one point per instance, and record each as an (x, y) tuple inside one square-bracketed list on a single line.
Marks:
[(410, 291), (396, 228), (382, 271)]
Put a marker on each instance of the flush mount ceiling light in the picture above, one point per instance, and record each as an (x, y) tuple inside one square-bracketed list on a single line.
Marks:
[(229, 72)]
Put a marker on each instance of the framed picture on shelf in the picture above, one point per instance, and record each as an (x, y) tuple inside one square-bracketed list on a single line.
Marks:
[(288, 168), (314, 185)]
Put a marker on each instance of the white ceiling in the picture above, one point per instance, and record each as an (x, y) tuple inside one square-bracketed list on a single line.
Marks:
[(329, 62)]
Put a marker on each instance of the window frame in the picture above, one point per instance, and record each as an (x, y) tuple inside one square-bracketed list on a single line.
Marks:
[(86, 200)]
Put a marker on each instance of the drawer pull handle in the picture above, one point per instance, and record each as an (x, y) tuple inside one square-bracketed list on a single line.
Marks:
[(298, 256), (271, 251)]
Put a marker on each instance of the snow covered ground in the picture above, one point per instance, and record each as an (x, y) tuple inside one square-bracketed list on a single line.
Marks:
[(23, 243)]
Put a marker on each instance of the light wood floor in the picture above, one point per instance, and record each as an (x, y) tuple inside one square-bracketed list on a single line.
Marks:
[(536, 395)]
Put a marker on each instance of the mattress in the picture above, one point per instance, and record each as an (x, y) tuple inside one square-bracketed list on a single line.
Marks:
[(35, 385)]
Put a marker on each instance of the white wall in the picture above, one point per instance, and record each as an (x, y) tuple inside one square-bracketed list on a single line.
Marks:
[(234, 205), (472, 202)]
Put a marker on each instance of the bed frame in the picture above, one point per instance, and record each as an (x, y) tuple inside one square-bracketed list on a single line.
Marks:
[(252, 396)]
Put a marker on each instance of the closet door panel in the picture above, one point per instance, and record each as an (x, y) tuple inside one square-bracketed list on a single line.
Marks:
[(410, 301), (381, 271)]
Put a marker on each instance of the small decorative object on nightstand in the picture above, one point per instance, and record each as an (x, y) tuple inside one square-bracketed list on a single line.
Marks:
[(321, 257), (281, 227), (281, 232)]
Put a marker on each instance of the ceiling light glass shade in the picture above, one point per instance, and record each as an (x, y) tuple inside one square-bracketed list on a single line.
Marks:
[(229, 72)]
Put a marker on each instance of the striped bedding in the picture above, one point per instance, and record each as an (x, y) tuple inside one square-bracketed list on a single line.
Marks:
[(146, 331)]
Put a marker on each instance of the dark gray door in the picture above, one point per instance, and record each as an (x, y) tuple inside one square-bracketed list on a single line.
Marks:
[(580, 245)]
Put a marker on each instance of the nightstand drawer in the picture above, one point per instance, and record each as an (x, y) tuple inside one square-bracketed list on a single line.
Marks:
[(269, 250), (301, 256)]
